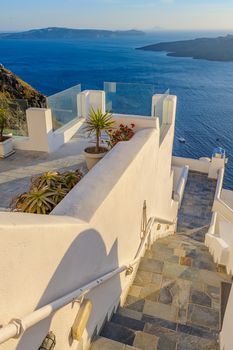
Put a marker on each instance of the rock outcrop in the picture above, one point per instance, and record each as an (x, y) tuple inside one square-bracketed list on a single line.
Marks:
[(14, 88), (17, 96)]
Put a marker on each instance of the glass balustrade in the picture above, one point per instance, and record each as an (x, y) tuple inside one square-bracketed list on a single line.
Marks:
[(64, 106)]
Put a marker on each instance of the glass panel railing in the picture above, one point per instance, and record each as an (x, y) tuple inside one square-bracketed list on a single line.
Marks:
[(16, 122), (64, 106), (133, 99), (160, 109)]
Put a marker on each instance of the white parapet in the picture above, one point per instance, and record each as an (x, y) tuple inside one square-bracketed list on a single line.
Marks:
[(216, 164), (41, 136), (179, 182), (200, 165), (226, 333), (40, 127), (90, 99), (219, 240), (94, 230)]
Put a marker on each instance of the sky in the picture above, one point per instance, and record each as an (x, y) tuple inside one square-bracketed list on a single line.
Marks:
[(117, 14)]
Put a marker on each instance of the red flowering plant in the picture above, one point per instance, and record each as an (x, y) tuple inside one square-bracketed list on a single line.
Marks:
[(123, 133)]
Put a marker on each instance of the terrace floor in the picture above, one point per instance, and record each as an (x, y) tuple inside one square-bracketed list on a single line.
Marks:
[(175, 300), (17, 170)]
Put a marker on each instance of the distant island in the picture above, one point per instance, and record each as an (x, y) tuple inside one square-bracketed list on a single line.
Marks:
[(69, 33), (211, 49)]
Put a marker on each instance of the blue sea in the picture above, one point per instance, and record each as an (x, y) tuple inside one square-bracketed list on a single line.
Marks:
[(204, 88)]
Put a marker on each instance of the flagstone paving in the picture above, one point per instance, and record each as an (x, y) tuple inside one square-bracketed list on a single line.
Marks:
[(174, 302)]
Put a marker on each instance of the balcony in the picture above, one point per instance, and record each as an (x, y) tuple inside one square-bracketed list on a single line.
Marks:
[(53, 139)]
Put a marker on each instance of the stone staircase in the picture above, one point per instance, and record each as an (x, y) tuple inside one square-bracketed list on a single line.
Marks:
[(175, 300)]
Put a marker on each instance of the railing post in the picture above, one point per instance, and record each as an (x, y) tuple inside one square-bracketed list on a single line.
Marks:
[(90, 99), (40, 128), (218, 162)]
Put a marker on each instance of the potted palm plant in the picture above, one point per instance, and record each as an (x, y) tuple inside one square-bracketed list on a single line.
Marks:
[(96, 123), (6, 143)]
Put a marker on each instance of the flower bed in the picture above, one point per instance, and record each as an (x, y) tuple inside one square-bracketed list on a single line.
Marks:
[(123, 133)]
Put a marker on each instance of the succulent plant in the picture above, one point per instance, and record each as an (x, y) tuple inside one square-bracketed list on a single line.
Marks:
[(46, 191), (50, 179), (72, 178), (59, 193), (36, 201)]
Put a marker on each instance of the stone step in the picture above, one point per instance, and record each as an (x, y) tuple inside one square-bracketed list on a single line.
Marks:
[(118, 333), (185, 256), (139, 325), (152, 333), (127, 336), (102, 343)]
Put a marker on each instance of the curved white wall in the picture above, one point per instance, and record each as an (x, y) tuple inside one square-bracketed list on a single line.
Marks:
[(95, 229)]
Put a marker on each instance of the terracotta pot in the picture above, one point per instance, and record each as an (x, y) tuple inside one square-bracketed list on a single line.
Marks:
[(93, 158)]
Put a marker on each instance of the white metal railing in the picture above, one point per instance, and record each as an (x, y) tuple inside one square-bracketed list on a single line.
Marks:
[(18, 326)]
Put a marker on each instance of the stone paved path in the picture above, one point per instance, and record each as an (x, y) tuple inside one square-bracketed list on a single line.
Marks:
[(174, 302)]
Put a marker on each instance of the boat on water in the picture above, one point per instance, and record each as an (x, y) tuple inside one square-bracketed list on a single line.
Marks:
[(181, 140)]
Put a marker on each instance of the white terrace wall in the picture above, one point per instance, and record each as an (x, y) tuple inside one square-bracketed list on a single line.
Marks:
[(219, 240), (164, 179), (201, 166), (90, 99), (95, 229), (140, 122), (41, 136), (226, 334)]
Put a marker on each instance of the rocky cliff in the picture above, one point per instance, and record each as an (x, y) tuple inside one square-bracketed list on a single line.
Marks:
[(14, 88), (16, 95)]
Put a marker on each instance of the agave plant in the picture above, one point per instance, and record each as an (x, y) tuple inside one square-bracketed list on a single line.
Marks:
[(46, 191), (98, 122), (59, 194), (71, 178), (50, 179), (36, 201)]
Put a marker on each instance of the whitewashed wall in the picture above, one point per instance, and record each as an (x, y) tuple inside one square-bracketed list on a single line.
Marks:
[(201, 166), (96, 228), (41, 136), (164, 179), (226, 334)]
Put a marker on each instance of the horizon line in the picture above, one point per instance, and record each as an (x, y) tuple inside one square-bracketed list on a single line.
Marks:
[(122, 29)]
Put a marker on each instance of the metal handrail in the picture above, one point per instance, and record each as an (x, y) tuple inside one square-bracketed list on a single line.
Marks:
[(17, 327)]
